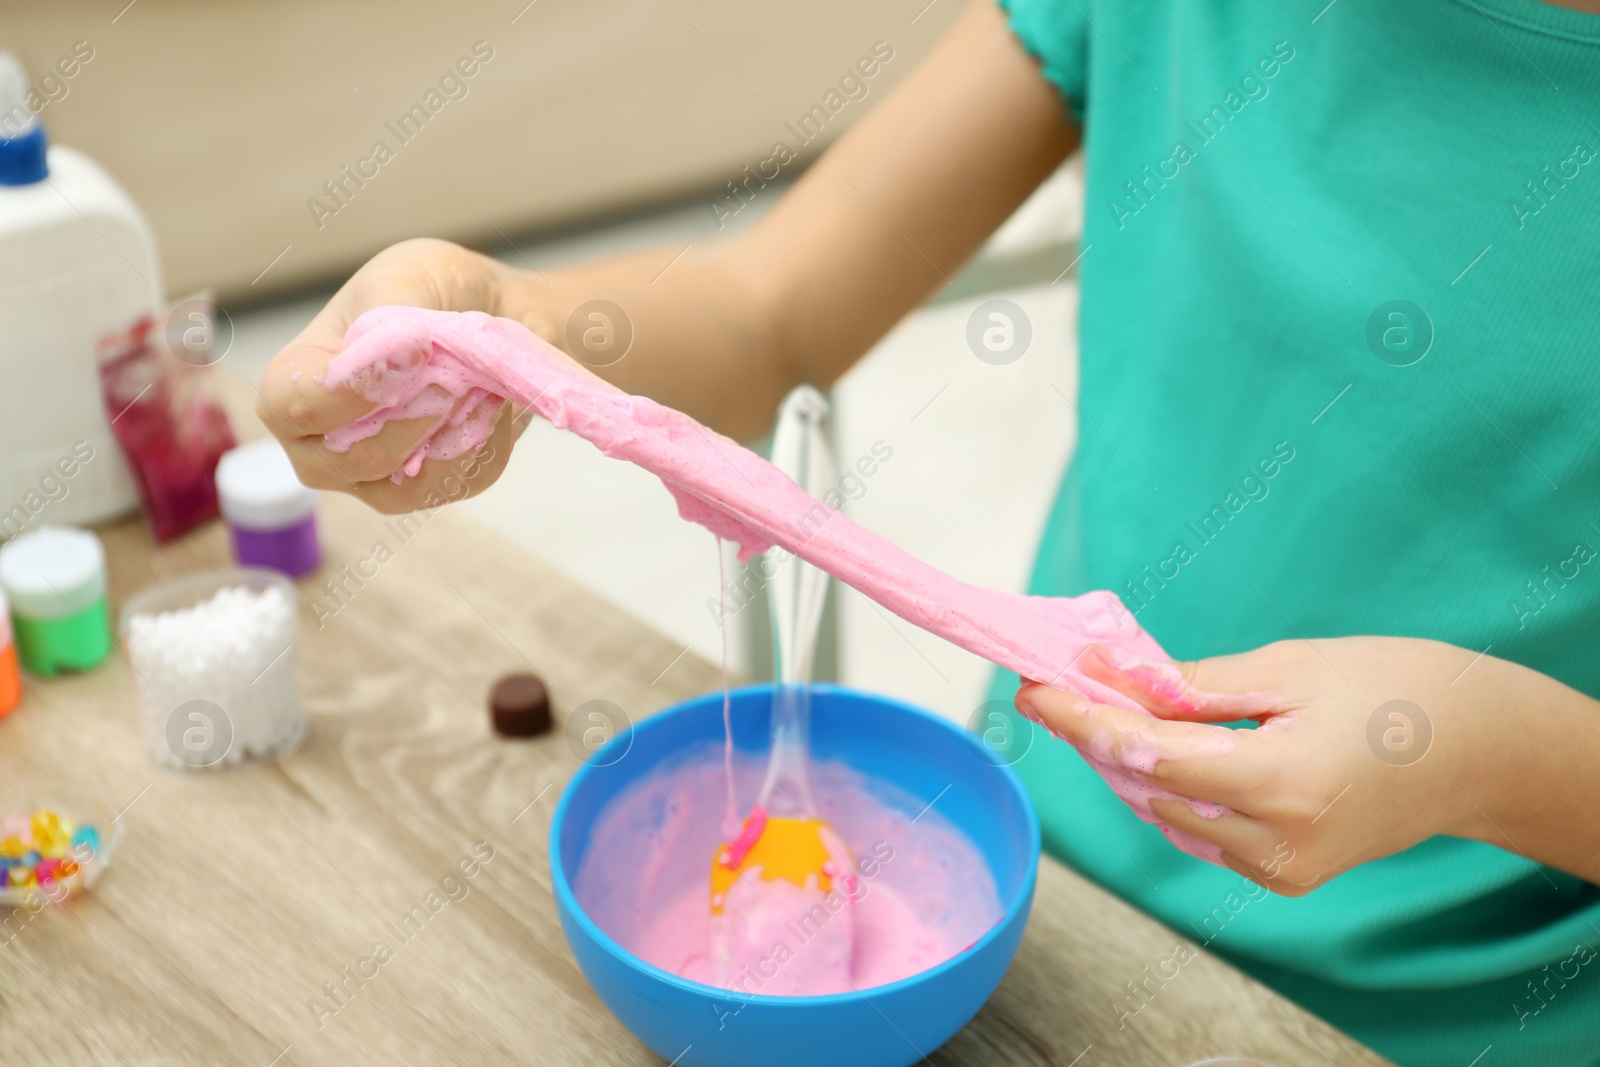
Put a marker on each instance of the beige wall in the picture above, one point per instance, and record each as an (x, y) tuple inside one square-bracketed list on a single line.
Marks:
[(224, 117)]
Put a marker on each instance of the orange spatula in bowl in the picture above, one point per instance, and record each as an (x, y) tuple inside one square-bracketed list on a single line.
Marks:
[(782, 891)]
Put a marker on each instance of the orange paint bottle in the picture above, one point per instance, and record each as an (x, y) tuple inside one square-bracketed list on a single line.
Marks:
[(10, 679)]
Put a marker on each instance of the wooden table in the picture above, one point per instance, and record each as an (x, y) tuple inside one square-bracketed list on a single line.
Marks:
[(235, 896)]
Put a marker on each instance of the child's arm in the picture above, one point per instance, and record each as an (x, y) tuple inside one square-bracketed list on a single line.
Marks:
[(1377, 743), (879, 222)]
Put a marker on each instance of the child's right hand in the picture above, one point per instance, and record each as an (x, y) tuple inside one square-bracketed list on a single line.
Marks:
[(298, 410)]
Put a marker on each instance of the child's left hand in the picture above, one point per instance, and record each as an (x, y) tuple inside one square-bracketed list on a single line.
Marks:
[(1371, 745)]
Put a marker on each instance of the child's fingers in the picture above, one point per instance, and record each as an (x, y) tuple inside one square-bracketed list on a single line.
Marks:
[(443, 481), (316, 466), (293, 401), (1230, 831), (1249, 846), (1169, 689), (373, 459), (382, 454), (1208, 763), (369, 475)]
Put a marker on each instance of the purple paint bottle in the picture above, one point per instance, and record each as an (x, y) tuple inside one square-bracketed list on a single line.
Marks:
[(271, 516)]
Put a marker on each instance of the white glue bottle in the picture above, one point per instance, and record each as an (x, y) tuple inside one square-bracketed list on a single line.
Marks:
[(78, 264)]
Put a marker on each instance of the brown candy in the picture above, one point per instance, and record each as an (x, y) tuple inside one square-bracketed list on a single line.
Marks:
[(520, 706)]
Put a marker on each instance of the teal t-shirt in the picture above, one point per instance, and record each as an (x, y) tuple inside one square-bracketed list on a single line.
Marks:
[(1340, 338)]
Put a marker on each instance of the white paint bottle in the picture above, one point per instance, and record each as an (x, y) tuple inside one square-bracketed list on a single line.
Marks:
[(78, 264)]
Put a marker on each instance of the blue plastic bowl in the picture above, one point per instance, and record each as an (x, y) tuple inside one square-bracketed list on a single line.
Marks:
[(695, 1025)]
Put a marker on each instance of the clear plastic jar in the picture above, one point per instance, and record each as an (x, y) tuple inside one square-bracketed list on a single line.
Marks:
[(214, 661)]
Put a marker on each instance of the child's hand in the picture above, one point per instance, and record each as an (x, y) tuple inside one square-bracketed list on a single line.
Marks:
[(298, 410), (1375, 744)]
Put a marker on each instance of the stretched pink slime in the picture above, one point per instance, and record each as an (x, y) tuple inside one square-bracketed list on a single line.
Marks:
[(457, 367)]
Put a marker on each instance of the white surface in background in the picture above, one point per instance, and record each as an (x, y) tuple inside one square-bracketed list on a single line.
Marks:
[(1052, 215), (968, 488), (261, 331)]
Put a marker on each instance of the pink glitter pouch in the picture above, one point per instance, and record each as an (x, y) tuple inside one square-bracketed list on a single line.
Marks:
[(156, 383)]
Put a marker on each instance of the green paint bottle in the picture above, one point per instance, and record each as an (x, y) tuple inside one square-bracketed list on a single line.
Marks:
[(55, 578)]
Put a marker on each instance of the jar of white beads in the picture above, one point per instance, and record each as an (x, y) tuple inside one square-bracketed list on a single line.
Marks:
[(214, 661)]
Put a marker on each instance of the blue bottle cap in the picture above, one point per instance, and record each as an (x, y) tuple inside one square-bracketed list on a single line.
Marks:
[(22, 158), (22, 139)]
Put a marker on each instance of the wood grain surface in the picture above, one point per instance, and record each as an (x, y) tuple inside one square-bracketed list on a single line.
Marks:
[(235, 896)]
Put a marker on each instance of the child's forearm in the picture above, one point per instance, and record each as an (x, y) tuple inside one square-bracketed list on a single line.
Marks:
[(885, 217), (702, 338), (1539, 794)]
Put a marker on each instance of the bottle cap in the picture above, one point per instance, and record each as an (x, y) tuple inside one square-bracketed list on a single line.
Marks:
[(258, 488), (53, 572), (519, 706), (22, 139)]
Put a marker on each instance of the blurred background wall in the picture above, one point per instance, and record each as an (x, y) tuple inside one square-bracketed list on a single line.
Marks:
[(224, 118)]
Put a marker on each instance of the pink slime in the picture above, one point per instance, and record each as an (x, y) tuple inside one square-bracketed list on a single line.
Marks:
[(457, 368)]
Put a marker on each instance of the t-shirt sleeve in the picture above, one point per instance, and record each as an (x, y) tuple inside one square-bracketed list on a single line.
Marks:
[(1055, 32)]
